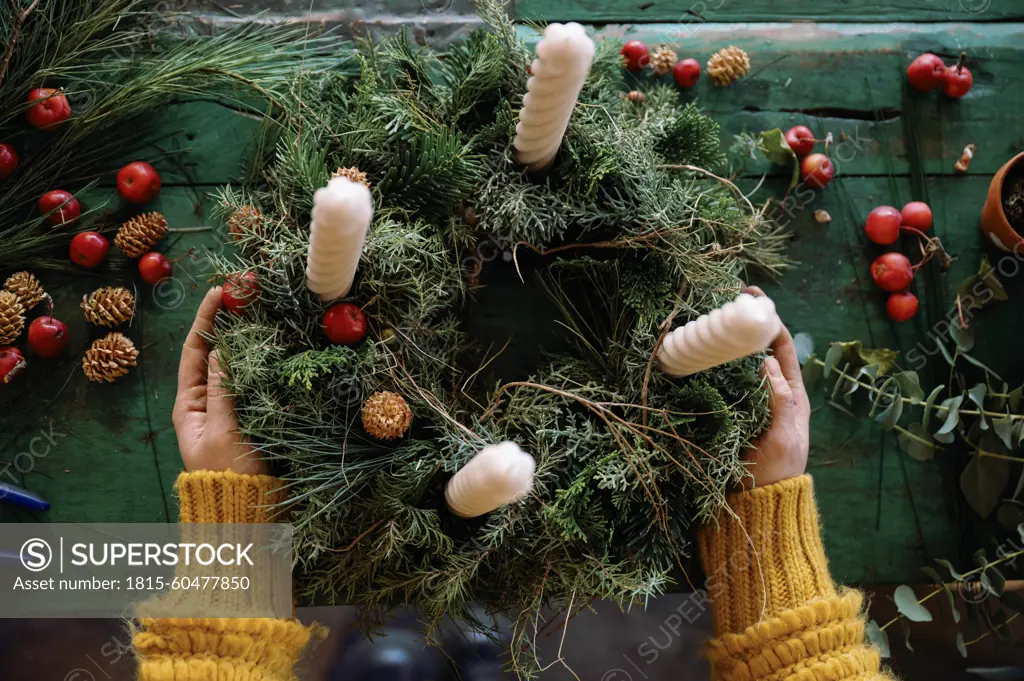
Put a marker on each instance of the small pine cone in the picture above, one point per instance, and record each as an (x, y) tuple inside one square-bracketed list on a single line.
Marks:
[(386, 416), (27, 288), (109, 358), (245, 221), (728, 65), (139, 235), (12, 317), (109, 306), (663, 59), (636, 97), (354, 174)]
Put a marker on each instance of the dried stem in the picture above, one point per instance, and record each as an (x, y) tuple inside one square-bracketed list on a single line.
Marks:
[(19, 17)]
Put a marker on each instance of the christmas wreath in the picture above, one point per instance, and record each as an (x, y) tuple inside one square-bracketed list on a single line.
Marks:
[(628, 233)]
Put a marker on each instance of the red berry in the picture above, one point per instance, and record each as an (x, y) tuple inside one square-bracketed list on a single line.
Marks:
[(239, 291), (927, 72), (62, 208), (958, 81), (918, 215), (154, 268), (89, 249), (883, 225), (901, 306), (51, 108), (637, 55), (344, 324), (48, 336), (8, 161), (800, 139), (686, 72), (12, 362), (138, 182), (892, 272), (817, 170)]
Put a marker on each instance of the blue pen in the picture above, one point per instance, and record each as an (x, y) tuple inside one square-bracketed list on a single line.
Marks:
[(22, 497)]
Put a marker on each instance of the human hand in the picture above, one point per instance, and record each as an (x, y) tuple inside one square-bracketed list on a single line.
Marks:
[(204, 415), (781, 451)]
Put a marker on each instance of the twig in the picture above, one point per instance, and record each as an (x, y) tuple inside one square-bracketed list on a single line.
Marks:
[(724, 181), (19, 20)]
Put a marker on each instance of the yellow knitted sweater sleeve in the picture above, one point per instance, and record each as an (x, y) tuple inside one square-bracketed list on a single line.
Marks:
[(778, 615), (256, 649)]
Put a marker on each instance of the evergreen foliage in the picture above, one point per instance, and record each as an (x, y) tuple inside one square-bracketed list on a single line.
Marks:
[(629, 462)]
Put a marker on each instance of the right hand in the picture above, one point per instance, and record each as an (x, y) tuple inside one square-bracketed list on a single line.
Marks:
[(204, 415), (781, 451)]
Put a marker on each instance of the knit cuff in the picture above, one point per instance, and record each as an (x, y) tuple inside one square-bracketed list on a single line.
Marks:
[(226, 497), (201, 649), (765, 556)]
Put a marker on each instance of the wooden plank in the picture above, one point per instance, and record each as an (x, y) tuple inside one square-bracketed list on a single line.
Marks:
[(693, 13), (114, 455)]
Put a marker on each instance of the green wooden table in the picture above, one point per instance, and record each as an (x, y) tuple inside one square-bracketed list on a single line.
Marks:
[(114, 456)]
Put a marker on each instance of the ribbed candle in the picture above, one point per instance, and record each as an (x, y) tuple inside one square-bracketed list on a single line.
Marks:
[(737, 329), (495, 476), (342, 212), (563, 60)]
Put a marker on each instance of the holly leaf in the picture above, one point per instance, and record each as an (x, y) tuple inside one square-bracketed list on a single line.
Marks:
[(776, 149), (982, 287), (909, 606)]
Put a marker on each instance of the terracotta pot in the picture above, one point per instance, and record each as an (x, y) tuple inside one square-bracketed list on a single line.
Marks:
[(993, 219)]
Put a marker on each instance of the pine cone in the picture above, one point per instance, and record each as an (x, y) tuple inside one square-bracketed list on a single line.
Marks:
[(109, 358), (354, 174), (139, 235), (12, 317), (109, 306), (728, 65), (244, 221), (27, 288), (663, 59), (636, 96), (386, 416)]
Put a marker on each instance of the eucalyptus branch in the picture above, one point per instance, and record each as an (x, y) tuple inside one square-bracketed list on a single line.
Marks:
[(990, 631)]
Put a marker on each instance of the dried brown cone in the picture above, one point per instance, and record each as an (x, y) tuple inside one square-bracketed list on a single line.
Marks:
[(354, 174), (663, 59), (245, 221), (728, 65), (27, 288), (109, 306), (109, 358), (636, 96), (139, 235), (12, 317), (386, 416)]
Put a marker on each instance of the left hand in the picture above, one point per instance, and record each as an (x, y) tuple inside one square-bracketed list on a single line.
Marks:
[(204, 415)]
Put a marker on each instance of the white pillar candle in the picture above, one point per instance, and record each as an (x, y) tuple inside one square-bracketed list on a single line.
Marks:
[(563, 60), (495, 476), (737, 329), (341, 216)]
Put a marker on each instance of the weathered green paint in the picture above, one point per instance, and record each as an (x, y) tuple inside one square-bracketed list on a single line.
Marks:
[(694, 12), (884, 515)]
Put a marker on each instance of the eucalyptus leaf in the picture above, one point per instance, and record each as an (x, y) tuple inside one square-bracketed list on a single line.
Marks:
[(945, 353), (952, 604), (996, 581), (1014, 398), (977, 395), (804, 345), (960, 645), (878, 638), (1003, 427), (832, 357), (905, 630), (980, 558), (909, 606), (891, 415), (1010, 515), (952, 404), (928, 405), (982, 483), (910, 385), (811, 372), (1013, 600), (952, 570), (978, 363), (916, 444), (944, 438), (982, 284)]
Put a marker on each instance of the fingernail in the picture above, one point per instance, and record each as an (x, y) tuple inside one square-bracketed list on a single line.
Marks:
[(773, 368)]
